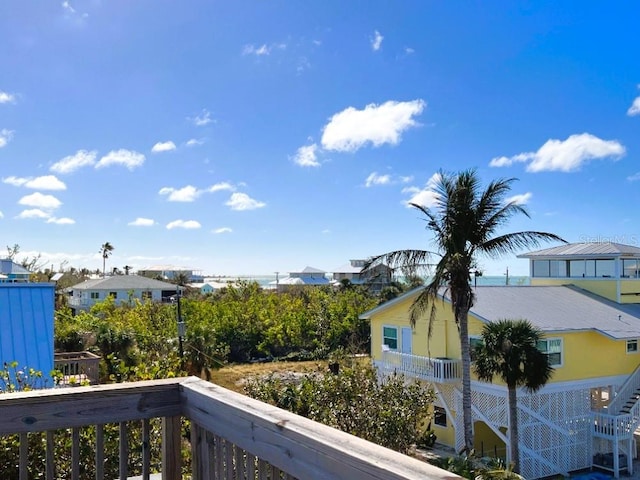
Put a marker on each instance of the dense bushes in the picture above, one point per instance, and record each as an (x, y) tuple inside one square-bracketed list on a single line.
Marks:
[(238, 324), (392, 413)]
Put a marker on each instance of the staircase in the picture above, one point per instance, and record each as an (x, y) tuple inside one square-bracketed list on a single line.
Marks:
[(633, 399), (617, 424)]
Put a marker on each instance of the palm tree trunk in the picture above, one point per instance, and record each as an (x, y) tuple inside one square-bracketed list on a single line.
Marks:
[(513, 428), (465, 353)]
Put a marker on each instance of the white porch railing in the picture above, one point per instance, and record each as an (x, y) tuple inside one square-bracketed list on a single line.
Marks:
[(439, 370), (230, 437)]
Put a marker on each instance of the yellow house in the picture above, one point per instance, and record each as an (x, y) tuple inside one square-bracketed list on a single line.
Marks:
[(583, 297)]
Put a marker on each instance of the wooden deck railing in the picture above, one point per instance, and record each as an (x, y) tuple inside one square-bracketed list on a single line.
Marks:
[(76, 368), (230, 436)]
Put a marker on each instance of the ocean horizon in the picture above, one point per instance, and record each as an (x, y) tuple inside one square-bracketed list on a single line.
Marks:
[(488, 280)]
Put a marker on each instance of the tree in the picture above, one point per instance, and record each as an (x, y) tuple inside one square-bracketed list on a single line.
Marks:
[(106, 249), (509, 350), (465, 222)]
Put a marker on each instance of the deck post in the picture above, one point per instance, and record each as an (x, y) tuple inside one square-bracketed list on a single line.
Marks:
[(171, 448)]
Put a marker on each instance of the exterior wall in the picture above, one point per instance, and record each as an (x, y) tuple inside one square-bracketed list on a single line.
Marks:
[(84, 299), (592, 355), (606, 288), (630, 291), (26, 325), (398, 316)]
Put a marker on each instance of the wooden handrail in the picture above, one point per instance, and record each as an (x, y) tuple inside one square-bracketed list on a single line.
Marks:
[(232, 436)]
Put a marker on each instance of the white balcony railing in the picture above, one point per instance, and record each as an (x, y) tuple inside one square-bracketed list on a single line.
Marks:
[(230, 436), (439, 370)]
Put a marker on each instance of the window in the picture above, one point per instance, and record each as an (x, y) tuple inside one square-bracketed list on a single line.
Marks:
[(605, 268), (630, 268), (541, 268), (95, 295), (474, 342), (113, 294), (390, 337), (632, 346), (440, 416), (552, 347)]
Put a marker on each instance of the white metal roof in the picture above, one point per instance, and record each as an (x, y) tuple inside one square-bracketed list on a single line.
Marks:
[(585, 249)]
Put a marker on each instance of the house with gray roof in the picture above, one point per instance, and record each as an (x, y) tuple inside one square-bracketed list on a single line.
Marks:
[(121, 288), (11, 272), (585, 298), (377, 278)]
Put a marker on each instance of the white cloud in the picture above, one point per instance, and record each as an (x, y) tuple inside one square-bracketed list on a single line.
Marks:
[(142, 222), (38, 200), (71, 163), (6, 97), (203, 119), (184, 194), (218, 231), (128, 158), (242, 201), (351, 129), (194, 142), (163, 147), (253, 50), (634, 178), (61, 221), (67, 6), (306, 156), (186, 224), (426, 196), (5, 137), (375, 179), (1, 215), (634, 109), (263, 49), (33, 213), (521, 199), (218, 187), (565, 155), (46, 182), (409, 50), (376, 41)]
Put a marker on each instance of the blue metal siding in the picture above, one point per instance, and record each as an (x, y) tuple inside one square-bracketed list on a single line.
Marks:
[(26, 325)]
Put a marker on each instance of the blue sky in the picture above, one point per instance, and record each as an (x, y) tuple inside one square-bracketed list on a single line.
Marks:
[(249, 137)]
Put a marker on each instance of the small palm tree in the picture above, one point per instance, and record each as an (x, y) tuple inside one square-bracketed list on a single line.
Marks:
[(509, 350), (106, 249)]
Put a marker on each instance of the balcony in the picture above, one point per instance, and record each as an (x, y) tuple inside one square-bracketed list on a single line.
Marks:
[(230, 436), (77, 368), (438, 370)]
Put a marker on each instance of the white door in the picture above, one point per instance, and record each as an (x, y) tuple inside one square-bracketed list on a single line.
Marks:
[(407, 334)]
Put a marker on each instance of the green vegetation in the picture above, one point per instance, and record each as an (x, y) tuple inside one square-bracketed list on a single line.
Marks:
[(389, 413), (236, 325)]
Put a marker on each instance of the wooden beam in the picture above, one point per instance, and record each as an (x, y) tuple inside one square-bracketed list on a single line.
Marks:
[(298, 446)]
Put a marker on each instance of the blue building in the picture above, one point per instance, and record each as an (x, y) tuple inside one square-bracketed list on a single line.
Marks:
[(26, 325)]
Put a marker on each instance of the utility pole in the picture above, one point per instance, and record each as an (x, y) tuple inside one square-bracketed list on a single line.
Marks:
[(180, 323), (507, 274)]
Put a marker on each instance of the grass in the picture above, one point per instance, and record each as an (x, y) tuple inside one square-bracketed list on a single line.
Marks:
[(232, 376)]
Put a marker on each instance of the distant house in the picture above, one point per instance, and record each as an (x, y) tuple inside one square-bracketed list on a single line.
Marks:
[(171, 272), (26, 325), (209, 287), (122, 288), (11, 272), (377, 278), (310, 276)]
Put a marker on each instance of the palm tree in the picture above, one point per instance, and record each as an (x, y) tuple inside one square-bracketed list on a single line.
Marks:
[(509, 350), (465, 222), (105, 250)]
